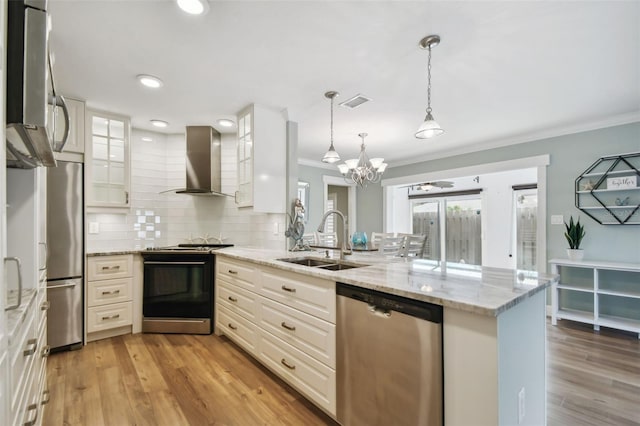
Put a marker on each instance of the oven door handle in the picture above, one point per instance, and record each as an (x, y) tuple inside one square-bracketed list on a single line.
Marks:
[(173, 263)]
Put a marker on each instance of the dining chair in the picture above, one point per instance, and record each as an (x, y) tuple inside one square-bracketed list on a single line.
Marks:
[(414, 245), (309, 239), (391, 245), (376, 237), (326, 239)]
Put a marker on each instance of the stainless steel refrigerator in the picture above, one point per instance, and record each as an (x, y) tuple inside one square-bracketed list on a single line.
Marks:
[(65, 255)]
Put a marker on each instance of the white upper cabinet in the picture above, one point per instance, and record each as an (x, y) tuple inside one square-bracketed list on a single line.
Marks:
[(262, 167), (107, 159)]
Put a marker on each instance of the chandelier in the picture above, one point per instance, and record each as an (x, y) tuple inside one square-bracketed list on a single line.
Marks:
[(429, 127), (363, 170)]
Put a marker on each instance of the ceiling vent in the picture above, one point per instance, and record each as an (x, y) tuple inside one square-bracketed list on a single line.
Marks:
[(355, 101)]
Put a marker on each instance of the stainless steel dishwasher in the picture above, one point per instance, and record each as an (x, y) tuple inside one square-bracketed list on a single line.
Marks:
[(389, 359)]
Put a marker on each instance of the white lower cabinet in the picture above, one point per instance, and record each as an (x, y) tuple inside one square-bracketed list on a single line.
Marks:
[(27, 354), (285, 320), (109, 296)]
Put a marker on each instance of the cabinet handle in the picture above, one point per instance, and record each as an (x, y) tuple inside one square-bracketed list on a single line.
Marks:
[(46, 396), (105, 293), (32, 407), (288, 327), (32, 350), (45, 351), (19, 265), (232, 272), (109, 268), (46, 255), (45, 305), (289, 289), (116, 316), (233, 299), (231, 326), (286, 364), (126, 197)]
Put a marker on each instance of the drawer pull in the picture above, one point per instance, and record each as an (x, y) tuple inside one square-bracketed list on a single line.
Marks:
[(46, 396), (45, 351), (231, 326), (232, 272), (116, 316), (286, 364), (32, 422), (289, 289), (106, 293), (32, 350), (232, 299), (288, 327), (45, 305), (111, 268)]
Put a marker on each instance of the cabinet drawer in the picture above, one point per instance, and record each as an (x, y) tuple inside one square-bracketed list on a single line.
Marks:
[(314, 296), (311, 335), (109, 291), (238, 329), (109, 316), (237, 300), (109, 267), (237, 273), (310, 377), (22, 351), (42, 307)]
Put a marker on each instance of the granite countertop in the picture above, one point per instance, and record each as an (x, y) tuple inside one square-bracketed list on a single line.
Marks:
[(15, 317), (113, 253), (489, 291)]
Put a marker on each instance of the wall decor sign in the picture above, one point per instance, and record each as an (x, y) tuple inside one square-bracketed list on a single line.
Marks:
[(625, 182)]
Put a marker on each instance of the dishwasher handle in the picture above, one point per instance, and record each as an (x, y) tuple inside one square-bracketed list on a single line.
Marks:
[(384, 303)]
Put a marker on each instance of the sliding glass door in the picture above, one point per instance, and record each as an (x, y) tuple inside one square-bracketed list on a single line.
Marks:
[(453, 226)]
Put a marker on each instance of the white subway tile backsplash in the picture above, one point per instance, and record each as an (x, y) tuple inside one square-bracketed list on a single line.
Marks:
[(164, 219)]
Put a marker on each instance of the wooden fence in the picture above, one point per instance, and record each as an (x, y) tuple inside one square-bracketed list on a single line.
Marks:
[(464, 235)]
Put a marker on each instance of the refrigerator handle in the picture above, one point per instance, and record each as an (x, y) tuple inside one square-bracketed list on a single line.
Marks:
[(17, 260), (46, 254)]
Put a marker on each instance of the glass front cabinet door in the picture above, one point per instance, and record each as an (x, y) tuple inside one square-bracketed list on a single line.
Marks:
[(108, 160)]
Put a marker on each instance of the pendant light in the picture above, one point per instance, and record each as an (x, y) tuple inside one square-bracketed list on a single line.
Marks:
[(331, 156), (363, 170), (430, 127)]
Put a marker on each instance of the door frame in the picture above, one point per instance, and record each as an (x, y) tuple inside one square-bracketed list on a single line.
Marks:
[(351, 213)]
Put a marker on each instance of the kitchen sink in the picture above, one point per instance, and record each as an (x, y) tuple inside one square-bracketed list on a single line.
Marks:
[(327, 264), (340, 266), (308, 261)]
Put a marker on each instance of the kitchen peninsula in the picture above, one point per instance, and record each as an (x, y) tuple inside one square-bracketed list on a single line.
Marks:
[(493, 325)]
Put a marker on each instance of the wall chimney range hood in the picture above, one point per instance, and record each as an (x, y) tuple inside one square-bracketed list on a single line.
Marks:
[(202, 162)]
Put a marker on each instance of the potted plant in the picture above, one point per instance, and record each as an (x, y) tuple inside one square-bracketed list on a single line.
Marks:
[(574, 233)]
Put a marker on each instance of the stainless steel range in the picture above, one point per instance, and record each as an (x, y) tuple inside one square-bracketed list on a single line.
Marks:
[(179, 288)]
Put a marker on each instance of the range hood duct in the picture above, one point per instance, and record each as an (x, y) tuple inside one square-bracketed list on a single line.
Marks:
[(203, 162)]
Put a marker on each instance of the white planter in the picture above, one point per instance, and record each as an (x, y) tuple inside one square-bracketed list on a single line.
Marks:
[(575, 254)]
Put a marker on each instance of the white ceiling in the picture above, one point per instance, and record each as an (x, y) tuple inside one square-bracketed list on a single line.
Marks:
[(504, 72)]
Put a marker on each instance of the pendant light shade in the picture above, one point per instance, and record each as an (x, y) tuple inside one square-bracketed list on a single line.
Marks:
[(429, 128), (331, 156)]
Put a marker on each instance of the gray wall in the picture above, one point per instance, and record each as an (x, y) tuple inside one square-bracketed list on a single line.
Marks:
[(570, 155), (313, 175)]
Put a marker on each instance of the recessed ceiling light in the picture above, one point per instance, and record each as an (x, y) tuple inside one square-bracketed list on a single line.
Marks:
[(149, 81), (159, 123), (147, 139), (194, 7), (225, 122)]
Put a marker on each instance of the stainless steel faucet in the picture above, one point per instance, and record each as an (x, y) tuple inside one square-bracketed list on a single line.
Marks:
[(345, 243)]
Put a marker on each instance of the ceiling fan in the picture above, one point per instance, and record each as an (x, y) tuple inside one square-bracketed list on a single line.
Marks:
[(426, 186)]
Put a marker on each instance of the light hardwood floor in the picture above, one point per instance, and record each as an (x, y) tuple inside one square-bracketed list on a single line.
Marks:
[(153, 379)]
